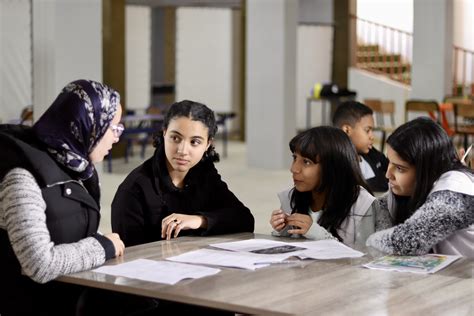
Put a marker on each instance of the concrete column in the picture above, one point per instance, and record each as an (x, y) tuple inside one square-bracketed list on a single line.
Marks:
[(432, 49), (271, 27), (67, 45)]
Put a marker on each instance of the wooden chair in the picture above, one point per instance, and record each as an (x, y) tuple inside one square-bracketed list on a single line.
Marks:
[(381, 110), (464, 121), (422, 108)]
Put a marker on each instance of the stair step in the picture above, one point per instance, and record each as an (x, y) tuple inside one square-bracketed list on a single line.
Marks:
[(367, 48), (374, 56), (370, 58), (387, 67)]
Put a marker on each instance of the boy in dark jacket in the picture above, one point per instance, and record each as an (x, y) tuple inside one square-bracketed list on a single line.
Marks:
[(356, 120)]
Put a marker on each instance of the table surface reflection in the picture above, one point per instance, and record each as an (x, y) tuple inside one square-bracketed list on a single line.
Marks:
[(339, 286)]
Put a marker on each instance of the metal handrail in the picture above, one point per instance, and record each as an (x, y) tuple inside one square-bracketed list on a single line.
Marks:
[(392, 49), (463, 78)]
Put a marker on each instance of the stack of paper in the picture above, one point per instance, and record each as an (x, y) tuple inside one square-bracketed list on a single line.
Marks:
[(258, 253)]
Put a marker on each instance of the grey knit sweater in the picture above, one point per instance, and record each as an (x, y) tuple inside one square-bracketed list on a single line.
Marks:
[(442, 214), (22, 215)]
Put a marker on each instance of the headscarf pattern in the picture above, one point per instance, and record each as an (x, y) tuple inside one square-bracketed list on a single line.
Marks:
[(76, 121)]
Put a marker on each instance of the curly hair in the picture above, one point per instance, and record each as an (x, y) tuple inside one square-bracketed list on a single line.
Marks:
[(197, 112)]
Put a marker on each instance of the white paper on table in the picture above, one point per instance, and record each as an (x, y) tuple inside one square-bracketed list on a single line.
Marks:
[(315, 249), (238, 259), (326, 249), (157, 271), (260, 246)]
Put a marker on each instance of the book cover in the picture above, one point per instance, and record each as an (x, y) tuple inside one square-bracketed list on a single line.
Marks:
[(429, 263)]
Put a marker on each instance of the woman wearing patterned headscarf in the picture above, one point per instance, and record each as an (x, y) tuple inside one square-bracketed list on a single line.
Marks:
[(49, 199)]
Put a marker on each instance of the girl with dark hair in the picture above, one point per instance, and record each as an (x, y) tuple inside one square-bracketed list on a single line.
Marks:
[(431, 196), (50, 199), (179, 191), (330, 200)]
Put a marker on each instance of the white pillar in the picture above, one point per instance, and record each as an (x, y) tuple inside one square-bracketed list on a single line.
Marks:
[(67, 45), (271, 27), (432, 49)]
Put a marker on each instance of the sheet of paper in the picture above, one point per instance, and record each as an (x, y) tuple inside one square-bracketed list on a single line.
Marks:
[(237, 259), (326, 249), (259, 246), (314, 249), (157, 271)]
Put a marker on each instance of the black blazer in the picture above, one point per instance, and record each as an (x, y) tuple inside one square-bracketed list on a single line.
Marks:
[(147, 196)]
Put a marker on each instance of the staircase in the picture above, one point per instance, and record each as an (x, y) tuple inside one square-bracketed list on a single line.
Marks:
[(373, 59)]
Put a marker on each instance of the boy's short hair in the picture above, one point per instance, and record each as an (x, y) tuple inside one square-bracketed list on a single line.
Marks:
[(350, 113)]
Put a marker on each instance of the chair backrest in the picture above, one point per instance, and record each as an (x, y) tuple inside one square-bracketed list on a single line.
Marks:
[(381, 108), (374, 104), (464, 110), (430, 107)]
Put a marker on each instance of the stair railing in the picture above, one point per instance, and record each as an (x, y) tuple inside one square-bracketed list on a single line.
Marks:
[(388, 50), (463, 71)]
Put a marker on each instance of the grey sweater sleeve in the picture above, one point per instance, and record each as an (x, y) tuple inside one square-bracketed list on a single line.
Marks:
[(383, 220), (22, 215), (443, 213)]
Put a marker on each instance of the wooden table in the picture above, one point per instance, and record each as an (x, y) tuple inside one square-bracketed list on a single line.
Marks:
[(337, 287)]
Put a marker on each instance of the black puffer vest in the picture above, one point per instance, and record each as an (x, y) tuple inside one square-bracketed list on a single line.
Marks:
[(71, 214)]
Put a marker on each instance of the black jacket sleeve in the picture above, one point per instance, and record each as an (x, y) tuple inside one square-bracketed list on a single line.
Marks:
[(379, 164), (128, 219), (225, 213)]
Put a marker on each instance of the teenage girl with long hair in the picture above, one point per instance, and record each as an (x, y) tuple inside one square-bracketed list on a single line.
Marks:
[(431, 196), (330, 199)]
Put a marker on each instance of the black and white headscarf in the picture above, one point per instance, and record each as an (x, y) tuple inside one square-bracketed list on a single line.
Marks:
[(75, 122)]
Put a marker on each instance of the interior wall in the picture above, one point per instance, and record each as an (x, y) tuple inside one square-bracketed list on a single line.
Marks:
[(395, 13), (463, 36), (64, 47), (464, 23), (314, 55), (138, 57), (204, 54), (370, 86), (163, 47), (15, 58)]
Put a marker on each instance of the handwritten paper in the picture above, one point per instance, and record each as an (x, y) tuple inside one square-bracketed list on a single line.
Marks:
[(157, 271)]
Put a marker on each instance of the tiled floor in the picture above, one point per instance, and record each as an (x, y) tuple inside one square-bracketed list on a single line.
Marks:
[(256, 188)]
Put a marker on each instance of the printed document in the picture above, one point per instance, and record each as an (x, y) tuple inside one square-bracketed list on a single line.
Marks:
[(316, 249), (429, 263), (157, 271)]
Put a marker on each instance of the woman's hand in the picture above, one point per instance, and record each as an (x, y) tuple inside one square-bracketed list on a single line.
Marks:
[(278, 220), (300, 222), (118, 243), (171, 225)]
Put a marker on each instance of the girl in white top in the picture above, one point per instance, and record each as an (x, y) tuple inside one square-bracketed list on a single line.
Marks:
[(431, 196), (330, 199)]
